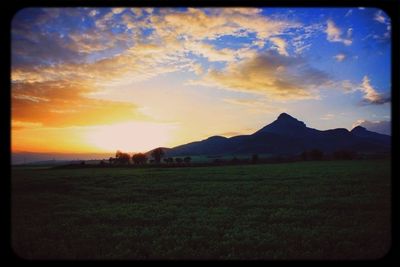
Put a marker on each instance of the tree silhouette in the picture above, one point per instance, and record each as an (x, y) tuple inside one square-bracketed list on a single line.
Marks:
[(139, 158), (178, 160), (157, 154), (122, 158)]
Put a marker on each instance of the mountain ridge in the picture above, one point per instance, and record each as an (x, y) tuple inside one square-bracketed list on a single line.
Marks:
[(287, 136)]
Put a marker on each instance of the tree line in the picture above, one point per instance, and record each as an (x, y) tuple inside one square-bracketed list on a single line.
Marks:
[(157, 155)]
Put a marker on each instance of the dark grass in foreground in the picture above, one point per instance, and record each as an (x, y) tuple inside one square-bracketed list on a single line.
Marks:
[(306, 210)]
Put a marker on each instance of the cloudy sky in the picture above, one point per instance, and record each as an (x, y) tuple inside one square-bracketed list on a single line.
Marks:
[(97, 80)]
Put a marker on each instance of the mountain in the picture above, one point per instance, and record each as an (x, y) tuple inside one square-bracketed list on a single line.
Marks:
[(286, 125), (288, 136), (364, 133)]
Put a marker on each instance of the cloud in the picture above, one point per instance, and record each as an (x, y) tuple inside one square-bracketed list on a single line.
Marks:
[(209, 52), (139, 62), (301, 40), (334, 34), (43, 102), (102, 51), (91, 41), (33, 49), (196, 68), (200, 24), (340, 57), (348, 86), (137, 11), (117, 10), (328, 116), (280, 45), (348, 13), (383, 127), (30, 98), (93, 13), (99, 53), (254, 105), (371, 96), (21, 125), (379, 17), (271, 74)]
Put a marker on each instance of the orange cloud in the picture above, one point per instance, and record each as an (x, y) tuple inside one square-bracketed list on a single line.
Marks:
[(370, 94), (200, 24), (271, 74), (340, 57), (334, 34), (64, 104), (281, 45)]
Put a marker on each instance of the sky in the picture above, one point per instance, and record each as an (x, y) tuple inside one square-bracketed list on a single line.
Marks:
[(92, 80)]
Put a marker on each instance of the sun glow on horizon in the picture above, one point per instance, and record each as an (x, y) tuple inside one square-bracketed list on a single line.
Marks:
[(131, 136)]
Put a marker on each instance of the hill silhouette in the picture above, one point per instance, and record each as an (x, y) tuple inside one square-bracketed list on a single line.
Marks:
[(288, 136)]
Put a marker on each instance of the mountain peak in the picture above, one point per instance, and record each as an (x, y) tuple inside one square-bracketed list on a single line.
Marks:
[(285, 116), (284, 124), (359, 129), (286, 119)]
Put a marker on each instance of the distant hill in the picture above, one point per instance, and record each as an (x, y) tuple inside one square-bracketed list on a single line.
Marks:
[(288, 136), (33, 158)]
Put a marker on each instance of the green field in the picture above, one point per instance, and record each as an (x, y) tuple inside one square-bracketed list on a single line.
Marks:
[(306, 210)]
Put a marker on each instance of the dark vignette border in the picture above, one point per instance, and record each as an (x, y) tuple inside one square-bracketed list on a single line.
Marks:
[(8, 9)]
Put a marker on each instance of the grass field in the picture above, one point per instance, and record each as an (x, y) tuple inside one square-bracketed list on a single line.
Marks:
[(305, 210)]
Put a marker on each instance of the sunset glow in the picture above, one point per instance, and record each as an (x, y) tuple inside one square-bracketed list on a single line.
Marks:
[(102, 79), (134, 136)]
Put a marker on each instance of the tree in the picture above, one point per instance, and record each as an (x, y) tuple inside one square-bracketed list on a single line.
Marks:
[(139, 158), (157, 154), (178, 160), (122, 158), (187, 159)]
